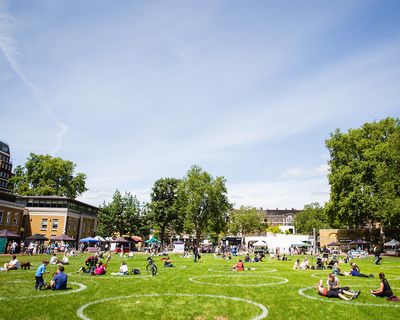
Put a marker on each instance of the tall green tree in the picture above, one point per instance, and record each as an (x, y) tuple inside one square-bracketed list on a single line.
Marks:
[(203, 203), (312, 216), (246, 220), (44, 175), (163, 210), (123, 215), (365, 174)]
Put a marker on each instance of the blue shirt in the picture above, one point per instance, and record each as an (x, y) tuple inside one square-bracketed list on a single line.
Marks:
[(61, 281), (40, 270)]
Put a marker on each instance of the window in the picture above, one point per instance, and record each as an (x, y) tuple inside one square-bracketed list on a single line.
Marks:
[(54, 224), (1, 217), (8, 218), (44, 224), (16, 218)]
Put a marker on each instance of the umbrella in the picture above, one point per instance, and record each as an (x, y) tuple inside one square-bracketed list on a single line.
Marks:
[(333, 244), (359, 241), (152, 240), (37, 237), (62, 237), (392, 243), (260, 243), (120, 240), (89, 240), (8, 234)]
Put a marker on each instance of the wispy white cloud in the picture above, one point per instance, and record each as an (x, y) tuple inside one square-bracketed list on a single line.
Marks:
[(62, 130)]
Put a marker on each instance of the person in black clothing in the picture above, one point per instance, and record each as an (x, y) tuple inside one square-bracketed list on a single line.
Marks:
[(377, 255), (384, 289)]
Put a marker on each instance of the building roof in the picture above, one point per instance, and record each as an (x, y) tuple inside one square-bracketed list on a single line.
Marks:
[(4, 147), (56, 198)]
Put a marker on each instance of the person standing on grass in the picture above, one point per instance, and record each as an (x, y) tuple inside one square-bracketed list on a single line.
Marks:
[(39, 275)]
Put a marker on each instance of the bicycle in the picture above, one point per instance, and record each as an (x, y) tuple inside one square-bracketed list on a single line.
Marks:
[(151, 268)]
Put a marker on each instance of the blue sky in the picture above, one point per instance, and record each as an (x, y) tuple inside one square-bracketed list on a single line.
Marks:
[(133, 91)]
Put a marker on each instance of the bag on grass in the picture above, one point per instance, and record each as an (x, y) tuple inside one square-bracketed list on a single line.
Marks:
[(135, 271)]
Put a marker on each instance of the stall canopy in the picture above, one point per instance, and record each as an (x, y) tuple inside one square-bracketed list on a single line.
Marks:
[(301, 244), (120, 240), (8, 234), (260, 243), (392, 243), (333, 244), (359, 242), (62, 237), (101, 239), (137, 239), (37, 237), (152, 240), (89, 240)]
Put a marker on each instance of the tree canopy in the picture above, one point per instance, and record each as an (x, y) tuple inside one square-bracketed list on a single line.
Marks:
[(365, 174), (44, 175), (246, 220), (203, 202), (312, 216), (123, 215), (163, 210)]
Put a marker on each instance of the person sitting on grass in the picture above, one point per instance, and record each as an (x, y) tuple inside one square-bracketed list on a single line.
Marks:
[(296, 264), (333, 283), (65, 259), (384, 290), (336, 271), (59, 281), (238, 266), (54, 259), (344, 294), (12, 265), (41, 270), (355, 271), (167, 262), (100, 270), (247, 258), (123, 270), (304, 265), (90, 265)]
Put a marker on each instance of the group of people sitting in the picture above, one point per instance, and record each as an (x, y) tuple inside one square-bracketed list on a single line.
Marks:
[(94, 267), (257, 258), (334, 290)]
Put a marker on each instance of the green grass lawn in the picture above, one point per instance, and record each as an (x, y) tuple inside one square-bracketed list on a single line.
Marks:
[(206, 290)]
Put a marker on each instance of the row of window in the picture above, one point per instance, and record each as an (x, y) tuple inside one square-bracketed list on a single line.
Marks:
[(9, 218), (41, 203), (3, 184), (4, 174), (45, 222), (6, 166)]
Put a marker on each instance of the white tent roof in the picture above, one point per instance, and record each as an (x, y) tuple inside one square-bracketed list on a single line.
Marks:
[(260, 243), (392, 243)]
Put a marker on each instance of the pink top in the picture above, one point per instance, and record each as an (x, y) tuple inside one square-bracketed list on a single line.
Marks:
[(100, 270)]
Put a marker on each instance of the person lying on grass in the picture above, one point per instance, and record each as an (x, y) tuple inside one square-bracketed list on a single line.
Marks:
[(384, 290), (355, 271), (344, 294)]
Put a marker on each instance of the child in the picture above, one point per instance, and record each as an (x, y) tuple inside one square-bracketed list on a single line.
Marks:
[(39, 275)]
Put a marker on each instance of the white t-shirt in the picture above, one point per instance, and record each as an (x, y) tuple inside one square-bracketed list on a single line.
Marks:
[(15, 263), (123, 268)]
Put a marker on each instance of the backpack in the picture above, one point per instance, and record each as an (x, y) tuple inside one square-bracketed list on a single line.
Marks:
[(135, 271)]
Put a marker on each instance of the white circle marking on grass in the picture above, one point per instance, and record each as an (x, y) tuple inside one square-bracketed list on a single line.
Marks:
[(53, 293), (350, 303), (282, 280), (264, 309), (266, 270)]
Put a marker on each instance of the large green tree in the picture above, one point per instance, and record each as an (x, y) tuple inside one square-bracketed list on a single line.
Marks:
[(44, 175), (312, 216), (123, 215), (203, 203), (365, 174), (246, 220), (163, 210)]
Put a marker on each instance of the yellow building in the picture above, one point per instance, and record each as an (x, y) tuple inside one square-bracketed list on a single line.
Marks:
[(53, 215)]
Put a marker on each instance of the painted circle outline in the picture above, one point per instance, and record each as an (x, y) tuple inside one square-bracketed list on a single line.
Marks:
[(284, 280), (349, 303), (59, 293), (264, 309), (265, 270)]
